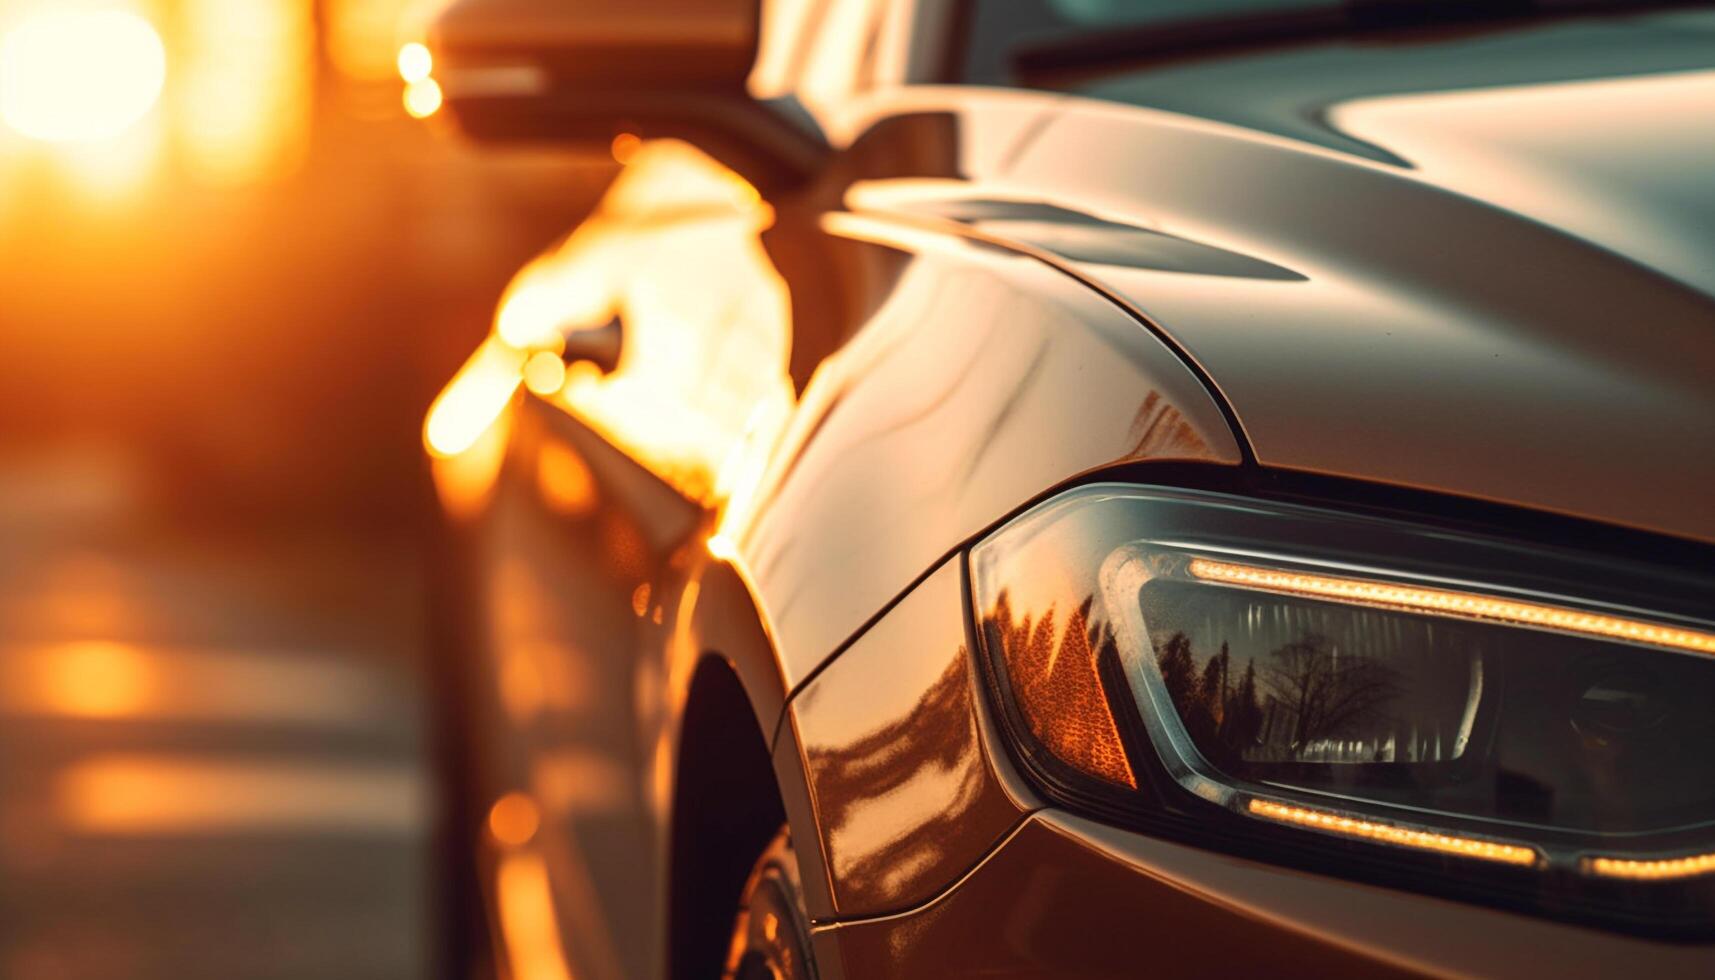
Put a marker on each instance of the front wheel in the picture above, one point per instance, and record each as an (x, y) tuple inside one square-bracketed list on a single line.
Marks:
[(771, 934)]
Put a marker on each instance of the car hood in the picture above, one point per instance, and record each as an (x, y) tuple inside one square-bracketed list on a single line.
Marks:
[(1505, 292), (1593, 125)]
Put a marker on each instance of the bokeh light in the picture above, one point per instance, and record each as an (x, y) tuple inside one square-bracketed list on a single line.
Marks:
[(80, 75), (544, 372), (415, 62), (95, 680), (513, 820), (423, 99)]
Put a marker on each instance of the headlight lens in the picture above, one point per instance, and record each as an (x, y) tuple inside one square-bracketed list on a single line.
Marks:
[(1250, 674)]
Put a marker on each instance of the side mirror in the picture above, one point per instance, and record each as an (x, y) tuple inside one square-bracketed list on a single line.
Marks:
[(584, 71)]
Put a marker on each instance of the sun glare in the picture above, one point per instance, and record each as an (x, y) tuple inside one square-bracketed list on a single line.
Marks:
[(475, 398), (80, 75)]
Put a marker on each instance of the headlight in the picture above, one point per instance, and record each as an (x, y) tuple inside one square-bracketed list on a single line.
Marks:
[(1441, 711)]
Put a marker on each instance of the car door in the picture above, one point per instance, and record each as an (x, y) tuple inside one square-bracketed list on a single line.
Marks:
[(576, 488)]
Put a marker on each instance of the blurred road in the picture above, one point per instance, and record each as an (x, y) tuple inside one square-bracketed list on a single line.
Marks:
[(210, 746)]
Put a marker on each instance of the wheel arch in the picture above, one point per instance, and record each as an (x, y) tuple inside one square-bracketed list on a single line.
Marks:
[(736, 773), (726, 808)]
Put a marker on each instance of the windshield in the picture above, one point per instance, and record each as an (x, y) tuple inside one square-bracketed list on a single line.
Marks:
[(1044, 42), (998, 29)]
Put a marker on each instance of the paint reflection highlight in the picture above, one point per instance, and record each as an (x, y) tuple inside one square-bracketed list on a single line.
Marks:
[(899, 777)]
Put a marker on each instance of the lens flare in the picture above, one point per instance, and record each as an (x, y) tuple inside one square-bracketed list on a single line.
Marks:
[(80, 75)]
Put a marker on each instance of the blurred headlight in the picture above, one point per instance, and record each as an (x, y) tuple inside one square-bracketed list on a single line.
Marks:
[(1440, 711)]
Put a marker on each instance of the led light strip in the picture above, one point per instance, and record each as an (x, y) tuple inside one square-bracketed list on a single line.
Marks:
[(1460, 605), (1420, 840), (1664, 869)]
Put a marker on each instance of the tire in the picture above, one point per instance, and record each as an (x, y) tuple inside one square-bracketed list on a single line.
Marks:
[(771, 933)]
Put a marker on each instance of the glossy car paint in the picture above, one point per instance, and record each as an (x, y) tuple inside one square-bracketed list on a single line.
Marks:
[(995, 293), (557, 702), (1513, 318), (910, 440), (907, 793), (1068, 897), (1542, 361)]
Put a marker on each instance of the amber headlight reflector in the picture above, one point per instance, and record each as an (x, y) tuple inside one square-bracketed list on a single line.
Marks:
[(1055, 670), (1368, 682)]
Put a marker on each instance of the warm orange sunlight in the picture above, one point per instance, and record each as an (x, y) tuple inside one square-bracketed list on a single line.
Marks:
[(544, 373), (467, 429), (513, 820), (142, 794), (475, 398), (115, 92), (80, 75), (565, 481), (244, 87), (697, 399), (468, 468), (528, 925), (722, 546), (624, 147), (157, 684), (96, 680), (363, 36), (464, 481), (694, 396)]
